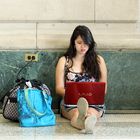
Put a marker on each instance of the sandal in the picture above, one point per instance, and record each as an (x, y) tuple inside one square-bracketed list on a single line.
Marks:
[(82, 106), (89, 124)]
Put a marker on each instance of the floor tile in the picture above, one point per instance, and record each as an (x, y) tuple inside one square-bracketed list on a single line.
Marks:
[(111, 126)]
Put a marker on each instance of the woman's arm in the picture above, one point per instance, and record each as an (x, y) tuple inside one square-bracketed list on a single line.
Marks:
[(103, 71), (59, 77)]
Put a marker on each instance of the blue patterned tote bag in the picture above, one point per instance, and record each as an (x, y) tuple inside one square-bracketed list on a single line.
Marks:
[(34, 108)]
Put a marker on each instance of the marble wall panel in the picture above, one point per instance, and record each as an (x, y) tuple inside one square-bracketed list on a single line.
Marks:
[(117, 10), (17, 36), (56, 35), (70, 10), (108, 36), (52, 36), (123, 75), (123, 80), (30, 10)]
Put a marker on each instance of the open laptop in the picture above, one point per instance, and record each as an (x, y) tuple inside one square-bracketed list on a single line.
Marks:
[(94, 92)]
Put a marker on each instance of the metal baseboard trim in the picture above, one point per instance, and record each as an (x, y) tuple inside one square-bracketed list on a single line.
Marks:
[(56, 111), (122, 111)]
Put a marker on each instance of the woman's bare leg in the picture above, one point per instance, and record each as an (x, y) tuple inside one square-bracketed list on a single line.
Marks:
[(78, 119), (82, 107), (77, 115), (72, 115), (91, 119)]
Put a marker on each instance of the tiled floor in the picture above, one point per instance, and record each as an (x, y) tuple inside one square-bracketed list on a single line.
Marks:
[(111, 126)]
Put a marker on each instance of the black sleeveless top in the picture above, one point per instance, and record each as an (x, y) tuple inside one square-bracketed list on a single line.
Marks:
[(76, 77), (71, 76)]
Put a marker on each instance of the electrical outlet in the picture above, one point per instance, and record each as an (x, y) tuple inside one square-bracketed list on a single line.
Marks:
[(31, 57)]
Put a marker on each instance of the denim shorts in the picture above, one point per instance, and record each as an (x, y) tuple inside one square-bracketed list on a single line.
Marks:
[(70, 107)]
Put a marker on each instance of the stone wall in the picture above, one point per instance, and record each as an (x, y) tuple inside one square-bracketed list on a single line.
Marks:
[(123, 75), (46, 24), (45, 27)]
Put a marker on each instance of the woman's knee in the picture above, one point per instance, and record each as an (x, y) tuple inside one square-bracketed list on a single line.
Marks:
[(74, 113), (93, 111), (69, 114)]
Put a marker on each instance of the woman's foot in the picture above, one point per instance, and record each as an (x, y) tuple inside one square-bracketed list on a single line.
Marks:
[(89, 124), (82, 106)]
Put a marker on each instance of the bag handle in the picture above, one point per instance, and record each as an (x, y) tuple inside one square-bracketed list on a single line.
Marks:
[(30, 106)]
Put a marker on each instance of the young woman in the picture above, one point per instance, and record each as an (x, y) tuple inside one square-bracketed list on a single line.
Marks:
[(81, 63)]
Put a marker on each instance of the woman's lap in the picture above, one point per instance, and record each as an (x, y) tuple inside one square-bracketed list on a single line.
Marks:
[(67, 111)]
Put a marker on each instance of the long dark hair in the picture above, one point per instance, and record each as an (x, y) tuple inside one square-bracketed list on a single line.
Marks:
[(91, 61)]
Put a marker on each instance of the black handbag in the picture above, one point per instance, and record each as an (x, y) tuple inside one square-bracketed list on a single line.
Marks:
[(10, 107), (9, 100)]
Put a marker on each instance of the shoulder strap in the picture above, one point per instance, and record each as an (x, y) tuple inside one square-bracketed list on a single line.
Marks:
[(32, 107)]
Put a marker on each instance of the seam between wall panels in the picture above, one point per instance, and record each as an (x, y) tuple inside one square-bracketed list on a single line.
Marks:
[(94, 11), (70, 21), (36, 36)]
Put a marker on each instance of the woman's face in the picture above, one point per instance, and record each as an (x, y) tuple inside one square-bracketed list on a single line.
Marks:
[(81, 47)]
